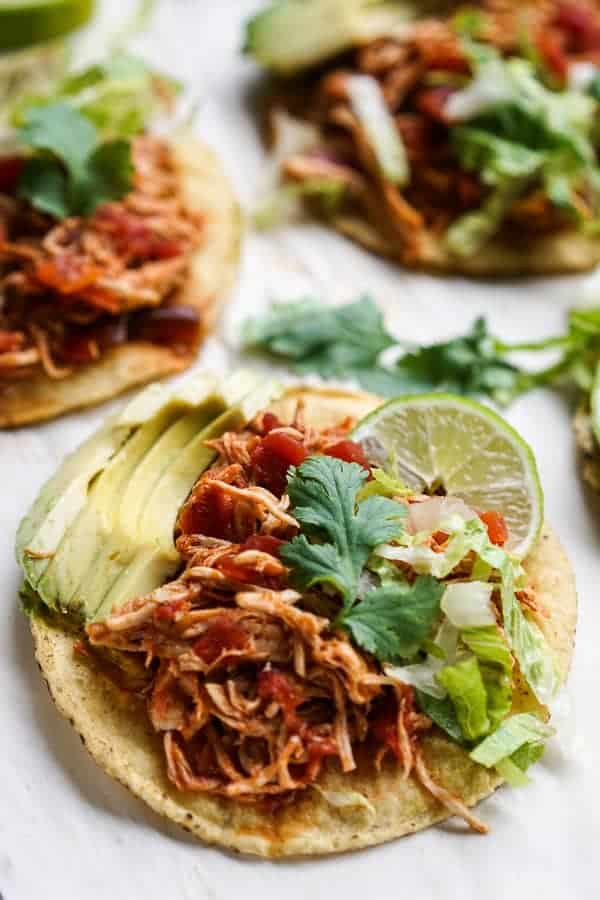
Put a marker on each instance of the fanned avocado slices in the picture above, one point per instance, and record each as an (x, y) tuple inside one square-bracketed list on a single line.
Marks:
[(101, 530)]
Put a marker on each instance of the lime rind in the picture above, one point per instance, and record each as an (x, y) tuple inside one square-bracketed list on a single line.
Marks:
[(446, 441), (24, 23)]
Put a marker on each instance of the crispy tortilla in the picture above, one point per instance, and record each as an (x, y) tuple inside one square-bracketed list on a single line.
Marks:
[(118, 735), (213, 270), (504, 256)]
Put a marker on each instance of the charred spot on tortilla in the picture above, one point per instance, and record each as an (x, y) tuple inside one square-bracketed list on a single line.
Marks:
[(434, 138), (262, 714)]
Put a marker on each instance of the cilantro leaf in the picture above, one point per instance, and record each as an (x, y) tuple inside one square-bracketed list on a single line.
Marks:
[(392, 621), (333, 341), (470, 364), (44, 183), (323, 493), (109, 173), (72, 172)]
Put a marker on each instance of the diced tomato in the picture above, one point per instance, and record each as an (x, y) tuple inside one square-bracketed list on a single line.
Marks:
[(273, 457), (266, 543), (175, 325), (10, 340), (132, 237), (221, 635), (167, 611), (580, 25), (432, 102), (469, 190), (496, 527), (269, 422), (349, 451), (276, 686), (10, 170), (209, 511), (550, 46), (285, 448)]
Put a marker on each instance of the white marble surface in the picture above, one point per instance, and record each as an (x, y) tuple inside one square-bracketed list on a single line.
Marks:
[(66, 830)]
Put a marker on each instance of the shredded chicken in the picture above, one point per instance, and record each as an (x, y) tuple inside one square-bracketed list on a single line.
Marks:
[(69, 290)]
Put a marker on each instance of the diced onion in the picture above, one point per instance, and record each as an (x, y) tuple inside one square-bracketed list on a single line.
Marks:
[(428, 515), (469, 604), (581, 75), (419, 675)]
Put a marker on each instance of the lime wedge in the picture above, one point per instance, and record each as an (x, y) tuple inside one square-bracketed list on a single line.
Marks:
[(440, 443), (25, 22)]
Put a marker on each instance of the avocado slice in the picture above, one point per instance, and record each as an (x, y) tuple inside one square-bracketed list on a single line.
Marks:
[(117, 541), (120, 546), (64, 495), (80, 543), (291, 35), (156, 558), (153, 411)]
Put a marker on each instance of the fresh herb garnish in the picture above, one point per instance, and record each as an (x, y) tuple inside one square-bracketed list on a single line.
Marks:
[(323, 493), (339, 533), (72, 171), (348, 342), (392, 621), (333, 341)]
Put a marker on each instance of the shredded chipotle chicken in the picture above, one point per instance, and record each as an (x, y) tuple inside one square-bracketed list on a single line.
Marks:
[(71, 290), (251, 688)]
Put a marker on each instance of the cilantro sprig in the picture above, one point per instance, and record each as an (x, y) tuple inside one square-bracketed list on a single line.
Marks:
[(339, 531), (71, 170), (314, 338), (349, 342)]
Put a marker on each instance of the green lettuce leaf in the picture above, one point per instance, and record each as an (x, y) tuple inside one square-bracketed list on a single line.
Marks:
[(515, 733), (467, 692), (119, 95), (443, 713), (520, 134)]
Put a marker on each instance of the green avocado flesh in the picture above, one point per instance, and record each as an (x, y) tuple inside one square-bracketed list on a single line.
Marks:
[(101, 531)]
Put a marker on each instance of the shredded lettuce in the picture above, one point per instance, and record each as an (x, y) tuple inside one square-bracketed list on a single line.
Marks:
[(346, 800), (420, 675), (369, 107), (524, 637), (119, 95), (466, 690), (514, 734), (519, 134)]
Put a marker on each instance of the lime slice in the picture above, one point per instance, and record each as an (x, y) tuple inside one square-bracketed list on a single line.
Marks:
[(25, 22), (440, 443)]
